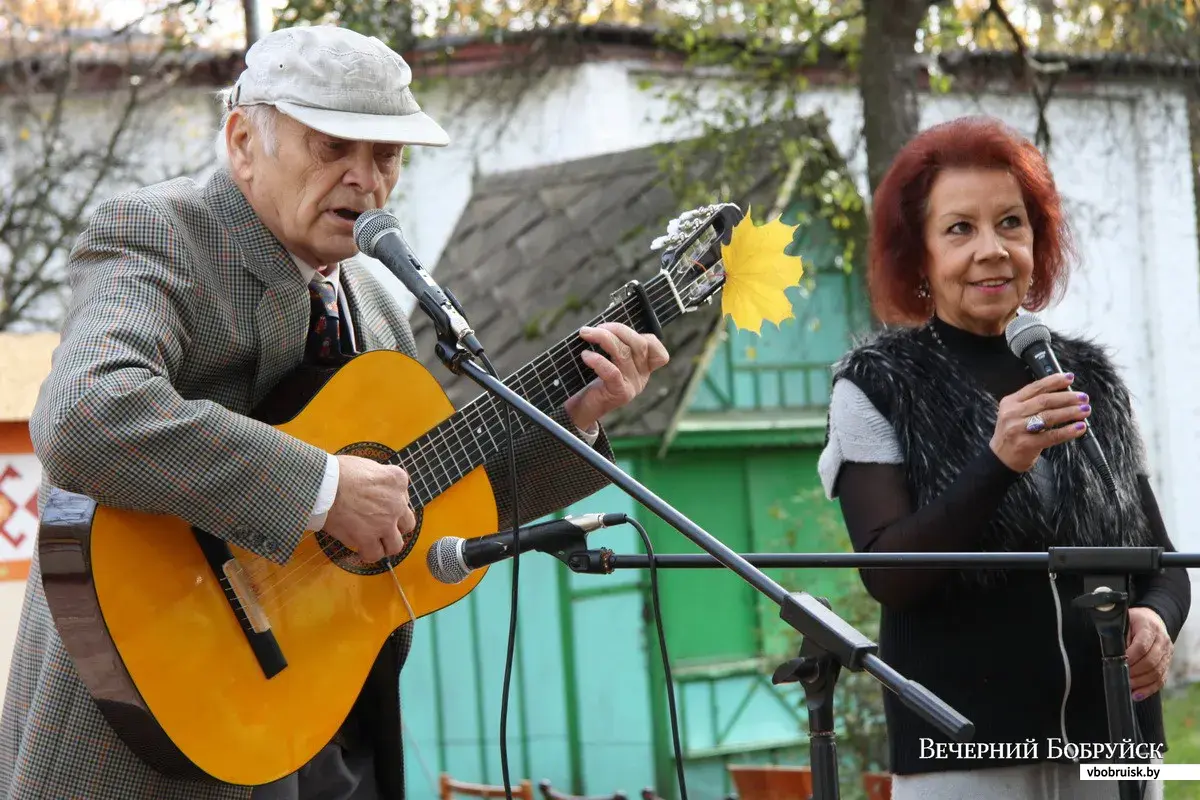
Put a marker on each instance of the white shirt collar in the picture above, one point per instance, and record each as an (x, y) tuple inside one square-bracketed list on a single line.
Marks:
[(310, 272)]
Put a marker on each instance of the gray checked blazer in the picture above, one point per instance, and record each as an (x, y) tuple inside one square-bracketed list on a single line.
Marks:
[(185, 311)]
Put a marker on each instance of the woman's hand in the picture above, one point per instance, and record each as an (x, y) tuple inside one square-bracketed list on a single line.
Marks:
[(1148, 650), (1039, 416)]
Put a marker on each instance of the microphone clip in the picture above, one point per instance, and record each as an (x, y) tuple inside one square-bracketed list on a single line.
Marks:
[(587, 561), (451, 353), (572, 549), (455, 338)]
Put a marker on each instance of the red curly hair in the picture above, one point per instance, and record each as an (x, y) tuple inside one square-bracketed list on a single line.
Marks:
[(897, 252)]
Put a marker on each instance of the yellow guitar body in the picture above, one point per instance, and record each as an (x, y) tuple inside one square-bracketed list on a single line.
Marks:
[(181, 645)]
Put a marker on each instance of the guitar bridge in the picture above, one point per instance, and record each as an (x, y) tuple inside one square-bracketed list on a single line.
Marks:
[(247, 598), (243, 603)]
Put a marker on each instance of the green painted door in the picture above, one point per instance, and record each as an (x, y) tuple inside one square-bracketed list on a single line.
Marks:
[(723, 636)]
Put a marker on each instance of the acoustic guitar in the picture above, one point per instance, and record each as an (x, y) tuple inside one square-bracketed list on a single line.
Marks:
[(213, 663)]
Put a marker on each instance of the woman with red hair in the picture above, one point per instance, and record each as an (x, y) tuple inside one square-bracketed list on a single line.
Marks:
[(941, 440)]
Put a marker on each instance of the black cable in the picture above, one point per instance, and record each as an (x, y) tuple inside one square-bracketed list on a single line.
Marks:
[(516, 558), (662, 648)]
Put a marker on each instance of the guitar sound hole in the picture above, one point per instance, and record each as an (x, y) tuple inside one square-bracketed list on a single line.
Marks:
[(346, 558)]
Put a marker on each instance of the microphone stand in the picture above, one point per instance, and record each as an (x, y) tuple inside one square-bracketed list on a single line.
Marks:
[(829, 642), (1106, 575)]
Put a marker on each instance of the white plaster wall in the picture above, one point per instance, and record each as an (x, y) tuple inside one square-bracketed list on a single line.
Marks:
[(167, 136)]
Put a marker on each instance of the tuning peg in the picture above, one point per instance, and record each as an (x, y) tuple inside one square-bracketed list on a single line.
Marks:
[(682, 226)]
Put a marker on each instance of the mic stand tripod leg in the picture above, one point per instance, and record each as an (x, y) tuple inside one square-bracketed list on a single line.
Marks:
[(1106, 598), (816, 670)]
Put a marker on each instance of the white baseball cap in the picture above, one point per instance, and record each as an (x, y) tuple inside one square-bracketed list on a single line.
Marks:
[(338, 82)]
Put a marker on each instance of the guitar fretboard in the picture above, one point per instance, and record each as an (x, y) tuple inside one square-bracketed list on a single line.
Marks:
[(472, 435)]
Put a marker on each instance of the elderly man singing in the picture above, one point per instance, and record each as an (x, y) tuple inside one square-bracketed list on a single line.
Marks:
[(189, 302)]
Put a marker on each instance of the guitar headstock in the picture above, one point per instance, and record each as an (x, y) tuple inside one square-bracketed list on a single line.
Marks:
[(691, 257)]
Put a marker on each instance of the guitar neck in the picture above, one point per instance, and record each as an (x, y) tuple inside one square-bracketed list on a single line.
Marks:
[(472, 435)]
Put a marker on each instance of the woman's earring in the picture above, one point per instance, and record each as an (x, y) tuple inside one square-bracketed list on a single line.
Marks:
[(923, 290)]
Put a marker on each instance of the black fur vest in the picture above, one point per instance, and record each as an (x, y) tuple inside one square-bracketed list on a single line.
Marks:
[(944, 417)]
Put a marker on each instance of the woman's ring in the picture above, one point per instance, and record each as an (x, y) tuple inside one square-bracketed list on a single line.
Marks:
[(1035, 423)]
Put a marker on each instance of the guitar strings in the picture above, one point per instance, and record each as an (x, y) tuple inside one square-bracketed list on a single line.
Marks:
[(412, 616), (490, 407), (488, 404), (419, 457)]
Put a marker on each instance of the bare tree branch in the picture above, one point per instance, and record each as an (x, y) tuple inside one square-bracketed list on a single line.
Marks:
[(60, 163), (1042, 78)]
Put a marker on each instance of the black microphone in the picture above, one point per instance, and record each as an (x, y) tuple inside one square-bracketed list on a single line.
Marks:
[(451, 559), (1029, 338), (377, 234)]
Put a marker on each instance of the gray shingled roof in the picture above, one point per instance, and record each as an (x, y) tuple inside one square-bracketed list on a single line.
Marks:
[(537, 252)]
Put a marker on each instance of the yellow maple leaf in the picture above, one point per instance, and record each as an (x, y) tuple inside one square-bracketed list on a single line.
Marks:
[(757, 272)]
